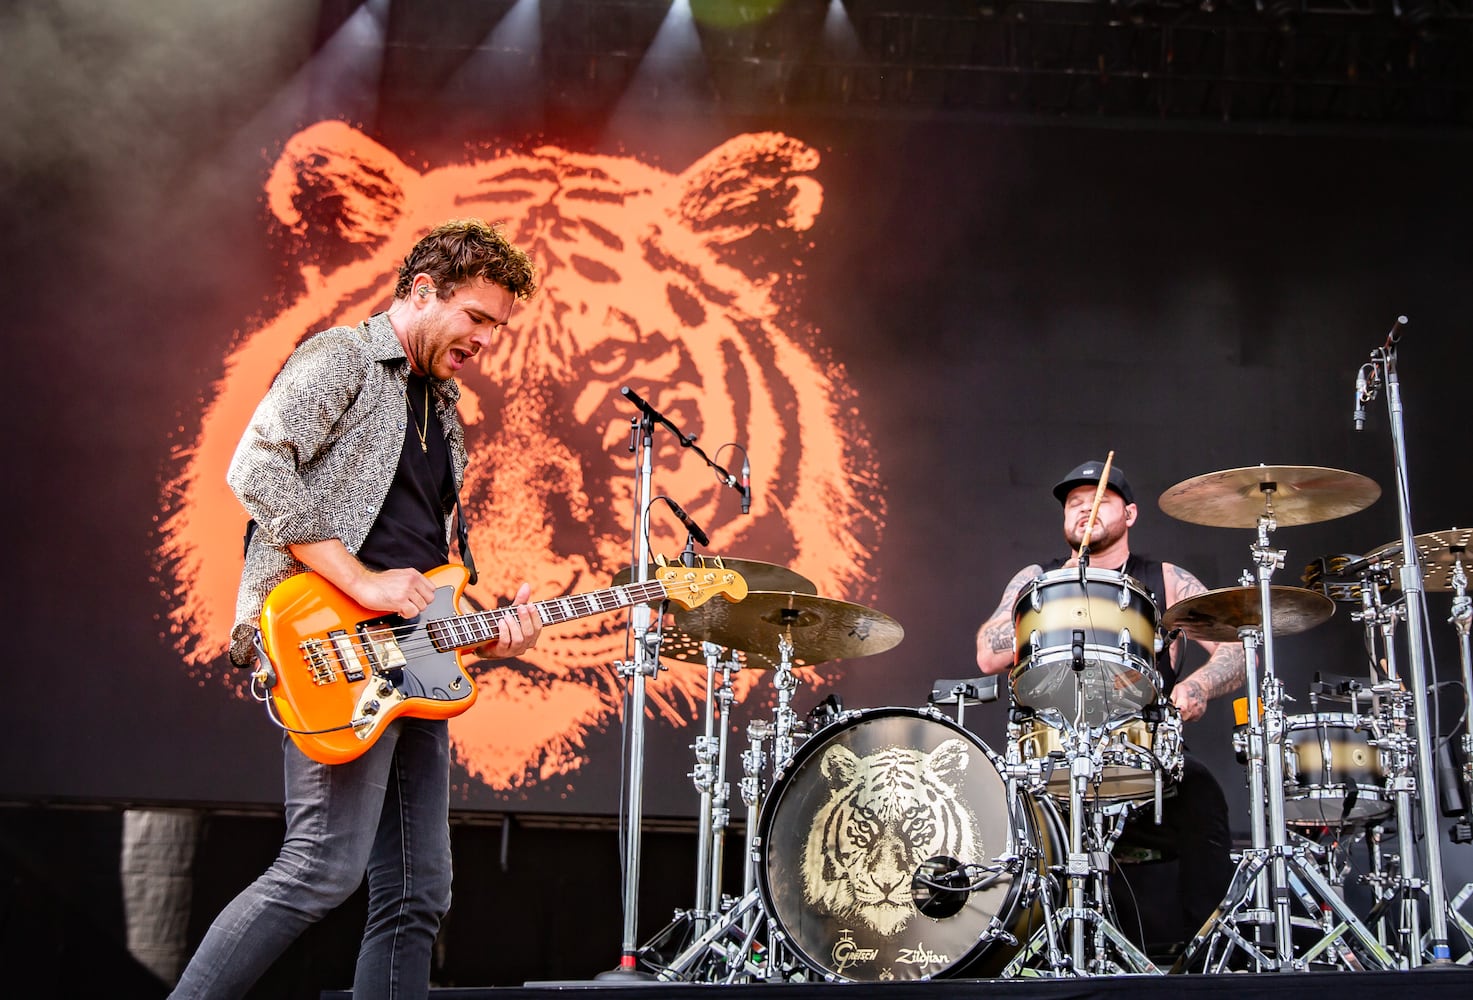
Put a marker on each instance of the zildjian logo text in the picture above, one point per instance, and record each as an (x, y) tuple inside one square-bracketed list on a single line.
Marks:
[(919, 955)]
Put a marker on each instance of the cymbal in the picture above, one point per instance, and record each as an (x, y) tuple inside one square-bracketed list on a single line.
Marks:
[(759, 576), (1217, 615), (1439, 550), (821, 628), (1301, 494)]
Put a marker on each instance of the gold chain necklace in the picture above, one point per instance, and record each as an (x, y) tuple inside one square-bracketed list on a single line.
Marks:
[(423, 432)]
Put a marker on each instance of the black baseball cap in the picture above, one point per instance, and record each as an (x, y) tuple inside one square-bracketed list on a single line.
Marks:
[(1089, 474)]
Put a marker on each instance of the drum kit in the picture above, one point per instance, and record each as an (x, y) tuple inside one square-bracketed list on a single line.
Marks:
[(893, 843)]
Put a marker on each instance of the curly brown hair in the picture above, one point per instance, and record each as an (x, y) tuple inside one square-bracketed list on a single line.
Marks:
[(462, 250)]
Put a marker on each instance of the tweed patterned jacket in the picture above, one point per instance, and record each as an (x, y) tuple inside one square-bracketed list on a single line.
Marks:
[(319, 453)]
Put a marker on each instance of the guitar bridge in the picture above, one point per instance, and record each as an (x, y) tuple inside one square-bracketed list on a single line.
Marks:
[(318, 665)]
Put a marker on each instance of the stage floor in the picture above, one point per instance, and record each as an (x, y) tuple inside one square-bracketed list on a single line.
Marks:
[(1427, 983)]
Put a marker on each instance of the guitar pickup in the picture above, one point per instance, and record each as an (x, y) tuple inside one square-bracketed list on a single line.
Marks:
[(381, 647), (343, 645)]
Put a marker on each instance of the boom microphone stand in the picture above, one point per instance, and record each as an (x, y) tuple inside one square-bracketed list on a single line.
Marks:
[(644, 664), (1381, 370)]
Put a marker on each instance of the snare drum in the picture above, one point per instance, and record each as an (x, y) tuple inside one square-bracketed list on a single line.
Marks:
[(871, 814), (1087, 652), (1332, 773), (1130, 754)]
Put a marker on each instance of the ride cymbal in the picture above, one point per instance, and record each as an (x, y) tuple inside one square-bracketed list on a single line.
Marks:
[(1439, 551), (1218, 615), (1294, 494), (820, 628), (759, 576)]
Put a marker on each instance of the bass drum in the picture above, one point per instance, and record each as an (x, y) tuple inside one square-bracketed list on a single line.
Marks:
[(862, 845)]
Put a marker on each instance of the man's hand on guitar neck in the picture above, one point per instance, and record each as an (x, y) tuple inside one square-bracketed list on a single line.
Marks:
[(516, 631)]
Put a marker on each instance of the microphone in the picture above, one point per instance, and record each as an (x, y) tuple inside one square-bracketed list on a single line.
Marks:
[(746, 485), (691, 526), (1360, 398)]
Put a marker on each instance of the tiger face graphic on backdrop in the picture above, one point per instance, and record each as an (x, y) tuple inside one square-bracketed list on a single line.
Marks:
[(887, 812), (678, 285)]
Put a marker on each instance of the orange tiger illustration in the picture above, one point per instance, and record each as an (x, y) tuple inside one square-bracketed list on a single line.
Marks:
[(678, 285)]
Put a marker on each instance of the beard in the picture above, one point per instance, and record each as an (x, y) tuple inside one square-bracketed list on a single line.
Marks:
[(1105, 534)]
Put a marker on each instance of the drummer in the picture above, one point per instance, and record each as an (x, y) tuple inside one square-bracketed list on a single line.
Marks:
[(1194, 818)]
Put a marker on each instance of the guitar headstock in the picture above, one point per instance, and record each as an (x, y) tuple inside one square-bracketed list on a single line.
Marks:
[(692, 586)]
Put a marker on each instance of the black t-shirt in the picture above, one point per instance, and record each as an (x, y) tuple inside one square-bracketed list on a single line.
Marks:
[(410, 529)]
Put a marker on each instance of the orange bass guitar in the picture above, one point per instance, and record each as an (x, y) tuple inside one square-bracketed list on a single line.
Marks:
[(335, 673)]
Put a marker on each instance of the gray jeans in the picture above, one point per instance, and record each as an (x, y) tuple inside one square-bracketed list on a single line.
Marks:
[(385, 813)]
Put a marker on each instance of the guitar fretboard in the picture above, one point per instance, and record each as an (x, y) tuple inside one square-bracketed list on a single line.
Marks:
[(480, 627)]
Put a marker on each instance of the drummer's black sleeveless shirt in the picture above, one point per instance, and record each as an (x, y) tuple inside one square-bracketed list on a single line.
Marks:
[(1149, 574)]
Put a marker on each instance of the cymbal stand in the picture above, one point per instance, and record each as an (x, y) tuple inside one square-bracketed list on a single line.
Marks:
[(708, 777), (1292, 872), (1460, 619), (1269, 559), (1382, 371)]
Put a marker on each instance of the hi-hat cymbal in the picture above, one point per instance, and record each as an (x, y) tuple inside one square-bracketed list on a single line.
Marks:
[(1217, 615), (1440, 551), (759, 576), (1296, 494), (820, 628)]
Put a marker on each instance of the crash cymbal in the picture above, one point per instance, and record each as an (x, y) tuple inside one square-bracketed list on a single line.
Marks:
[(1439, 551), (1300, 494), (759, 576), (1217, 615), (821, 628)]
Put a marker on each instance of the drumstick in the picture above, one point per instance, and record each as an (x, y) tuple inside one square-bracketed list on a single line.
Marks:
[(1095, 509)]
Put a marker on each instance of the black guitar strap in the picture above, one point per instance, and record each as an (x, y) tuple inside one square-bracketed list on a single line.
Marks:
[(463, 538)]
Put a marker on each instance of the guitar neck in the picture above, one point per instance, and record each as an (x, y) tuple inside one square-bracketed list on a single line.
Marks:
[(481, 627)]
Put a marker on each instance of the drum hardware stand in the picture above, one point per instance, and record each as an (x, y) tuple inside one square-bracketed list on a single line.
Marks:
[(1460, 619), (1381, 370), (1083, 868), (753, 787), (964, 692), (709, 774), (1270, 851), (729, 945), (1397, 748), (710, 752), (785, 682)]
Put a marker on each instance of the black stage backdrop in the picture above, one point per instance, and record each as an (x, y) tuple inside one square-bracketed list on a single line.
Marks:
[(986, 302)]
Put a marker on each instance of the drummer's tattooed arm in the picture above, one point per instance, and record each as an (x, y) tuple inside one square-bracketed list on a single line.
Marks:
[(1225, 669), (995, 637)]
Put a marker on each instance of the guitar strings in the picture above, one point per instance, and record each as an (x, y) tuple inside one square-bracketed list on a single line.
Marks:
[(405, 638)]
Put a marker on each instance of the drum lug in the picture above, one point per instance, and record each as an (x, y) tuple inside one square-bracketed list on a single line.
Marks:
[(1124, 599)]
